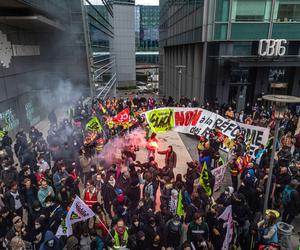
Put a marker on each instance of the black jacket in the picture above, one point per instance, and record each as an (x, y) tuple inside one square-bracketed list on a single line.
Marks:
[(10, 201)]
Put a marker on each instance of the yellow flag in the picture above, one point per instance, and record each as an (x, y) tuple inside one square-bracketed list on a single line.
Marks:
[(94, 125), (204, 180), (2, 133), (179, 209)]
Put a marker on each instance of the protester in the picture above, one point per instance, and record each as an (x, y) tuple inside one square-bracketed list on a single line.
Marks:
[(94, 155)]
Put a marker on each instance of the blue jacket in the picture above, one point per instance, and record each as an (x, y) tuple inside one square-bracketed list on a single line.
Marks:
[(49, 235)]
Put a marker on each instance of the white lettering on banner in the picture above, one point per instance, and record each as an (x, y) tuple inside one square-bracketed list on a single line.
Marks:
[(272, 47), (219, 174), (197, 121)]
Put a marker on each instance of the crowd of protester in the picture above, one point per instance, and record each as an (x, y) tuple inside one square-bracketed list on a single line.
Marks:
[(40, 176)]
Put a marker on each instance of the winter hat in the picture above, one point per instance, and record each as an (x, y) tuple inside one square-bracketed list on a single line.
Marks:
[(134, 217), (119, 191), (16, 218), (174, 192), (229, 190), (251, 173), (140, 234)]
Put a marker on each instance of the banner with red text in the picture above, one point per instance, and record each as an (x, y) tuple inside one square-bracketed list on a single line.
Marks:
[(198, 121)]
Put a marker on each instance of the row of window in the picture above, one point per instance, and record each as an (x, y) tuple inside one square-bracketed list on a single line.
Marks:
[(256, 31), (258, 10)]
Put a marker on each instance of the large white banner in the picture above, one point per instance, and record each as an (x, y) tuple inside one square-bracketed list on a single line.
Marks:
[(200, 121)]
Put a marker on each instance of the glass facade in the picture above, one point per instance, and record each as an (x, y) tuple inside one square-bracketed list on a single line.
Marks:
[(147, 28), (222, 10), (146, 34), (251, 19), (100, 34), (180, 21), (287, 11), (249, 31), (251, 10)]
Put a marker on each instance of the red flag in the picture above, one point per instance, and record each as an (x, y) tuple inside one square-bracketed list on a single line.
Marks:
[(122, 117)]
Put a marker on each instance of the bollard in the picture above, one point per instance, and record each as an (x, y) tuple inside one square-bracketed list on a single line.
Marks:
[(285, 232)]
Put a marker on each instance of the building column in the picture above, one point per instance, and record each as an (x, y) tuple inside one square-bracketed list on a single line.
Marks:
[(203, 73), (190, 71), (174, 86), (197, 72), (296, 85), (184, 70)]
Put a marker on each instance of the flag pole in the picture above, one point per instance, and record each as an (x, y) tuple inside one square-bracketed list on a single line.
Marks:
[(105, 227)]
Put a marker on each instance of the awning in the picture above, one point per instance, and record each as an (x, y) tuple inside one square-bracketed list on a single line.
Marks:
[(36, 22)]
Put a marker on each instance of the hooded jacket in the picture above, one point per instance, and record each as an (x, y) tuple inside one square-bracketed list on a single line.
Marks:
[(48, 237)]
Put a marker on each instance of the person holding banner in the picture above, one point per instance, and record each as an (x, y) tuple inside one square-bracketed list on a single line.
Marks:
[(170, 159), (118, 236)]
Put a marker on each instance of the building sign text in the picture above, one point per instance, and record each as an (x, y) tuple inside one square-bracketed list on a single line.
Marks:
[(272, 47)]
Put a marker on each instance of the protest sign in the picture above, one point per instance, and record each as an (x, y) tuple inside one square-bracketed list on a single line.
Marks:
[(160, 120), (219, 174), (79, 211), (94, 125)]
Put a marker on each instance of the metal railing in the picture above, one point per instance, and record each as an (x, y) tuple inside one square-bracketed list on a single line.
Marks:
[(105, 90)]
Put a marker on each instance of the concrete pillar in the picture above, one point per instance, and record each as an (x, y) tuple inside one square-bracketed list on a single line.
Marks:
[(178, 62), (203, 73), (197, 71), (190, 71), (257, 84), (173, 87), (296, 85), (184, 71)]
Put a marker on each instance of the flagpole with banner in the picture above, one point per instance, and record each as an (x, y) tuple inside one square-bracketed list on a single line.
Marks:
[(79, 211), (204, 180), (180, 208), (226, 216)]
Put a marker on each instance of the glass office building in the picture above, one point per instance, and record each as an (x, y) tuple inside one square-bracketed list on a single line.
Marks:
[(99, 36), (147, 34), (228, 40)]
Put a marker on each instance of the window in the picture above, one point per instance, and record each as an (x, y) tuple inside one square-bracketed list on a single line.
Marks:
[(251, 10), (242, 48), (287, 11), (220, 31), (222, 10), (249, 31)]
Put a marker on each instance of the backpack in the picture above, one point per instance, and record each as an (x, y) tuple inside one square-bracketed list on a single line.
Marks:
[(286, 195)]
